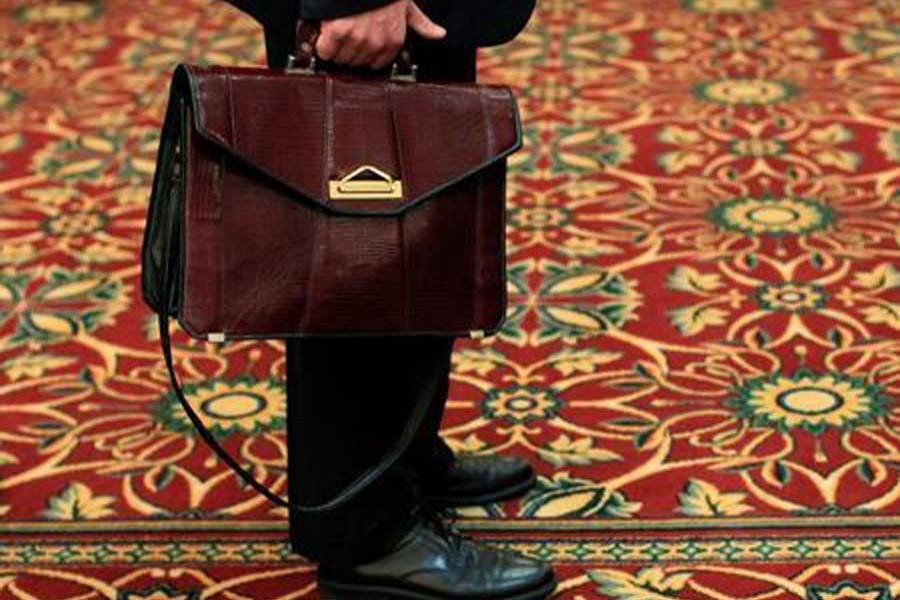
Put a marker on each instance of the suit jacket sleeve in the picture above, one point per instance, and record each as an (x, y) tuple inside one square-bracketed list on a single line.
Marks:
[(469, 23), (477, 23), (282, 14), (330, 9)]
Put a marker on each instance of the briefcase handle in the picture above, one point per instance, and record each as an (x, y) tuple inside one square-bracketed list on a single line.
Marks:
[(304, 60)]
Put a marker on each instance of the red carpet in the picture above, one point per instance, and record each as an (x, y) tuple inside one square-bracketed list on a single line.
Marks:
[(702, 356)]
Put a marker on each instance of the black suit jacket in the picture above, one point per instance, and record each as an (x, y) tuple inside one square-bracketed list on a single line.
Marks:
[(469, 23)]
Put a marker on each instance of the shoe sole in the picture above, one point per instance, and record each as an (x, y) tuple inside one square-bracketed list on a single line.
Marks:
[(498, 496), (331, 590)]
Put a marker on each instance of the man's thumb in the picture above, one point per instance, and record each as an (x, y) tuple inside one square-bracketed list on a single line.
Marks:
[(422, 25)]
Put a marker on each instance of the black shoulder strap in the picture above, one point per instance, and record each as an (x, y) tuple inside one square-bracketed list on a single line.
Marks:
[(412, 426)]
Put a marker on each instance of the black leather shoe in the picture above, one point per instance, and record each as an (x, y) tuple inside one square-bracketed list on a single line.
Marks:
[(434, 563), (478, 480)]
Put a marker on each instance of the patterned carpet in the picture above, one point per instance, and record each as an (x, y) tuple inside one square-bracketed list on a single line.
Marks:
[(702, 356)]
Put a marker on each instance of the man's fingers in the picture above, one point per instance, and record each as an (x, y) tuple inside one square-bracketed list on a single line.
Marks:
[(422, 25), (329, 43), (374, 38), (347, 53), (384, 58), (364, 56), (389, 47)]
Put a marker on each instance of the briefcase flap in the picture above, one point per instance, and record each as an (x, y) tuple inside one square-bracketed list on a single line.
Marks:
[(349, 144)]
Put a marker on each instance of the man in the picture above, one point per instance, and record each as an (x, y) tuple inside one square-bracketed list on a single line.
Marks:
[(348, 398)]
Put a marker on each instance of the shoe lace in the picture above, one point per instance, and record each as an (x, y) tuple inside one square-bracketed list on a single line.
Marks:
[(443, 521)]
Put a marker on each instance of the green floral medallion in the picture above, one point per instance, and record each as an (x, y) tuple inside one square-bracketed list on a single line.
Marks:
[(757, 147), (772, 216), (59, 12), (746, 92), (521, 404), (726, 6), (809, 401), (242, 405), (790, 297), (535, 218), (75, 224)]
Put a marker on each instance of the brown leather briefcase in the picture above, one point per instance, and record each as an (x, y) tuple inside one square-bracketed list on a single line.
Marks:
[(290, 204), (299, 203)]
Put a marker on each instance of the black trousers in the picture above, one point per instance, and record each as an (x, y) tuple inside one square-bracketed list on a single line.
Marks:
[(348, 400)]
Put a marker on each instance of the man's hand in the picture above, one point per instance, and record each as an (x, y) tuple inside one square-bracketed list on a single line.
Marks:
[(374, 38)]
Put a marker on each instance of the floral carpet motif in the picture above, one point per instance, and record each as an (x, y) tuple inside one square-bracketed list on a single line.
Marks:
[(702, 351)]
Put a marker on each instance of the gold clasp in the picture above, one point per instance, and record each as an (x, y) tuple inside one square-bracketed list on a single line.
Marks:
[(365, 183)]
